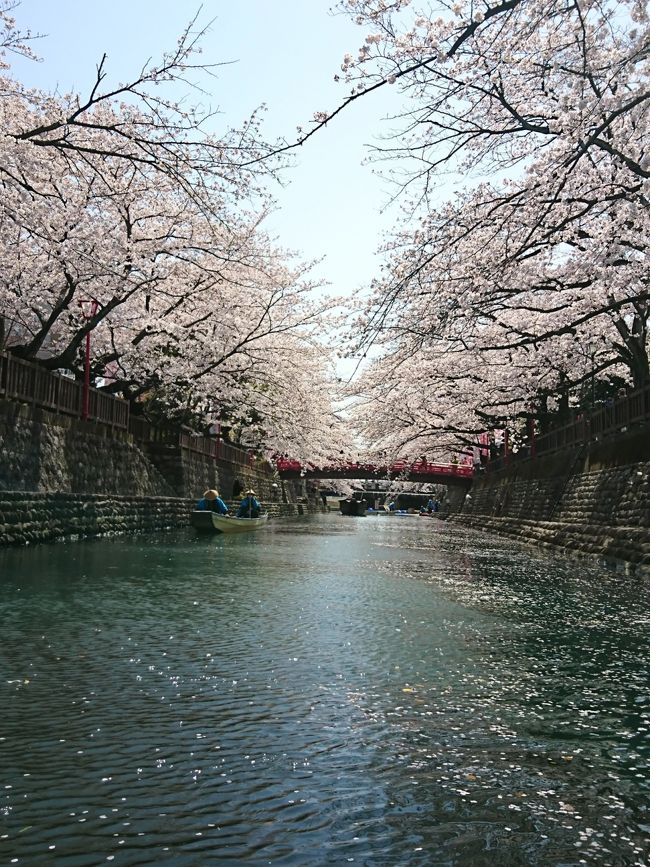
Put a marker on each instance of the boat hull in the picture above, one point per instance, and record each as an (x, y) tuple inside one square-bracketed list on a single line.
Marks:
[(211, 522), (356, 508)]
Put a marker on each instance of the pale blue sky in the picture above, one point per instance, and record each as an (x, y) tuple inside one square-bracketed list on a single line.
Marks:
[(285, 53)]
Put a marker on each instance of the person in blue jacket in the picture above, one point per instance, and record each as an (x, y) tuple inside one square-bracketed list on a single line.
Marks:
[(212, 502), (249, 506)]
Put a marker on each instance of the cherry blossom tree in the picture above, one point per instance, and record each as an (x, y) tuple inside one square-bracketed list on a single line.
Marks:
[(120, 198), (534, 277)]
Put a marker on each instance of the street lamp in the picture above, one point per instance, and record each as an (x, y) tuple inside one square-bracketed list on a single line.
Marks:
[(88, 309)]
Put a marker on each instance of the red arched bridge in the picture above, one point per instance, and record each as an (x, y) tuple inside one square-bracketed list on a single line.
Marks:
[(418, 471)]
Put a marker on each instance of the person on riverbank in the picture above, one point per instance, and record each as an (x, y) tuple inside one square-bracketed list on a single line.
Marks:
[(249, 506), (212, 502)]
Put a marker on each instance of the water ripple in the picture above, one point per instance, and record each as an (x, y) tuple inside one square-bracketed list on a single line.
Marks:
[(327, 692)]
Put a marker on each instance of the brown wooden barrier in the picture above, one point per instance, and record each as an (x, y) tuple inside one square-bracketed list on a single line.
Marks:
[(28, 383), (612, 419), (144, 432), (215, 448)]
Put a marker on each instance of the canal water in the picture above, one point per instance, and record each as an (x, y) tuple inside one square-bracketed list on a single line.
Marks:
[(330, 690)]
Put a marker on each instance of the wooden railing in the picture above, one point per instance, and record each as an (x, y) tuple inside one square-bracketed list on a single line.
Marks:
[(610, 420), (144, 432), (214, 447), (26, 382), (29, 383), (613, 418), (217, 449)]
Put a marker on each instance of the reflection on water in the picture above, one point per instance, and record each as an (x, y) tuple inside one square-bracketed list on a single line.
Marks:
[(330, 690)]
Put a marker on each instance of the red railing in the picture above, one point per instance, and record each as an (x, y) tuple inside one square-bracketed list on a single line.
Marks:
[(355, 470), (425, 468)]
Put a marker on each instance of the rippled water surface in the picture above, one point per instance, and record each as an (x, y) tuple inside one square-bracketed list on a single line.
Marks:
[(328, 690)]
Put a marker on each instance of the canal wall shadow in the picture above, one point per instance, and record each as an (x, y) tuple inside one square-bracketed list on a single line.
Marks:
[(64, 477), (592, 500)]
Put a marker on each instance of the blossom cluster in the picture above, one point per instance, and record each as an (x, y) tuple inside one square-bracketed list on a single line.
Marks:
[(509, 298), (122, 219)]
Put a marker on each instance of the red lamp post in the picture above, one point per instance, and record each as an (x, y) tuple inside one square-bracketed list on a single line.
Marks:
[(88, 308)]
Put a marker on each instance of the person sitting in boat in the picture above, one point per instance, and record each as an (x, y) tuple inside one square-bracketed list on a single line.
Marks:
[(249, 506), (212, 502)]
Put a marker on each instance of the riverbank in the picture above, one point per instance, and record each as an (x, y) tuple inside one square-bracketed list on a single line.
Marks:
[(63, 477), (585, 501), (28, 518)]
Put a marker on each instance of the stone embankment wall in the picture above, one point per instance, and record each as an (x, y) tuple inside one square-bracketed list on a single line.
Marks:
[(62, 477), (27, 518), (592, 500), (42, 451), (189, 474)]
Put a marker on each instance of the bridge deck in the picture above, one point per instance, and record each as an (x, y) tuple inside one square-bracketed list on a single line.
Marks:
[(420, 471)]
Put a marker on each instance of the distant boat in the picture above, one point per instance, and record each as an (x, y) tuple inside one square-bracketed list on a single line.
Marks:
[(212, 522), (357, 508)]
